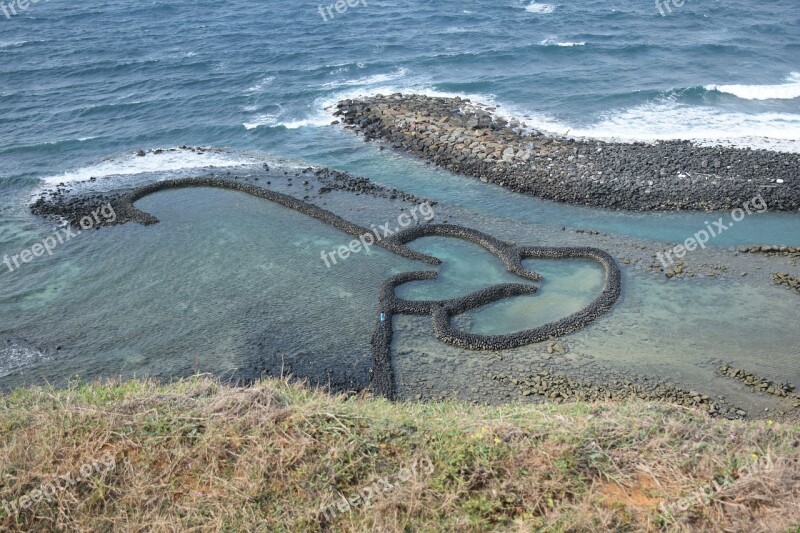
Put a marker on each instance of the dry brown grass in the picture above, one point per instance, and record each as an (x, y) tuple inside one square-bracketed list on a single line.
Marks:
[(197, 455)]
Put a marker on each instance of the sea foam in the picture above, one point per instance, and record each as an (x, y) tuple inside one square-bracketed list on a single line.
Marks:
[(784, 91), (169, 161), (535, 7)]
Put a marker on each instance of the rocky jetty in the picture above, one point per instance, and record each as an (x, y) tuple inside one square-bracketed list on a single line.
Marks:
[(470, 138)]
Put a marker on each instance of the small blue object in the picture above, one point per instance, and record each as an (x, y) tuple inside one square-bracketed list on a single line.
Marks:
[(383, 317)]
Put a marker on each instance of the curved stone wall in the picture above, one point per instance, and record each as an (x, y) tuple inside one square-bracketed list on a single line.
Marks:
[(440, 311)]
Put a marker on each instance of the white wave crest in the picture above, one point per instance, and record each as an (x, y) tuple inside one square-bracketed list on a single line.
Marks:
[(11, 44), (535, 7), (368, 80), (272, 121), (667, 120), (664, 119), (321, 116), (168, 162), (785, 91), (258, 87), (553, 42)]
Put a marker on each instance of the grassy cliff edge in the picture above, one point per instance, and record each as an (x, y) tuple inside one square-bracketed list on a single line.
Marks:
[(276, 456)]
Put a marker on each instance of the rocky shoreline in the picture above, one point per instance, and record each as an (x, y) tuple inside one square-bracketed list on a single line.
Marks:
[(563, 381), (559, 388), (470, 138), (760, 384)]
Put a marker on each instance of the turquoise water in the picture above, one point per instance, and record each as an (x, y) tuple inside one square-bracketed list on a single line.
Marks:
[(490, 200), (190, 294), (467, 268), (567, 286), (216, 287)]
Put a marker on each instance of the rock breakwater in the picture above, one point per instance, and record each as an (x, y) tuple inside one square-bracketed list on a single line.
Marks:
[(469, 138), (772, 251)]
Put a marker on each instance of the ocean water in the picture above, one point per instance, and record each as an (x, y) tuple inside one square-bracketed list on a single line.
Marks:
[(213, 288)]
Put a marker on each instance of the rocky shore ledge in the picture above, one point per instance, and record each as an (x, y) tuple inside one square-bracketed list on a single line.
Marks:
[(471, 139)]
